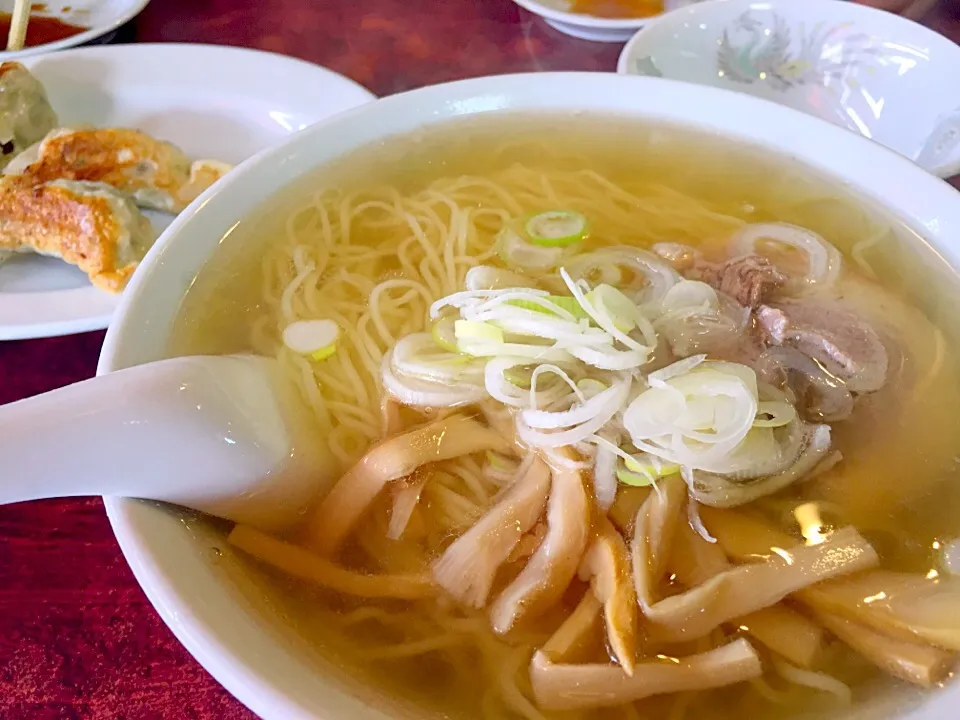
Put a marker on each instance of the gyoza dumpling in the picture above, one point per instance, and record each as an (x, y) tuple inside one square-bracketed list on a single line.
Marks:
[(90, 225), (156, 174), (25, 113)]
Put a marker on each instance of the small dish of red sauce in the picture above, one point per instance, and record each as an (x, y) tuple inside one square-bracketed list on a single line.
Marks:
[(41, 29)]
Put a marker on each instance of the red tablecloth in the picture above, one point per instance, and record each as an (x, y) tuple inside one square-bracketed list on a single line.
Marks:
[(77, 636)]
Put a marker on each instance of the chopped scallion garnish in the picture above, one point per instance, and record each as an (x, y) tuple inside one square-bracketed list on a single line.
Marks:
[(472, 330), (556, 228), (316, 338), (642, 472), (444, 335), (564, 302)]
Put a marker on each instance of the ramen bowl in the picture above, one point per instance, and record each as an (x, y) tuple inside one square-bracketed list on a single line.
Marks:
[(229, 616), (875, 73)]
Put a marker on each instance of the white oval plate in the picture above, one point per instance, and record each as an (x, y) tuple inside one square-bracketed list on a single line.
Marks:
[(214, 102), (100, 17)]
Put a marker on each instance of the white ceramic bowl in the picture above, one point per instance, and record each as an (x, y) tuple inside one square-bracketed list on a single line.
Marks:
[(556, 13), (870, 71), (204, 596)]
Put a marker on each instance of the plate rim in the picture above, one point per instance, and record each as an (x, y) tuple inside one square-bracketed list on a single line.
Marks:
[(121, 54), (134, 8), (171, 47)]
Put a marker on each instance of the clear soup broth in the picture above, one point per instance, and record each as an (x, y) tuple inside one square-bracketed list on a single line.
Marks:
[(371, 241)]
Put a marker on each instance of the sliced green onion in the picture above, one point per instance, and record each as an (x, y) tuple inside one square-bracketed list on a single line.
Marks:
[(641, 473), (656, 469), (698, 414), (564, 302), (519, 376), (590, 387), (316, 338), (471, 330), (618, 306), (324, 353), (774, 414), (634, 479), (556, 228), (516, 252), (498, 461), (444, 334)]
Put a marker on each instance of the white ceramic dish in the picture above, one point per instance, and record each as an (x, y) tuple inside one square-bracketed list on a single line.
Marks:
[(556, 13), (870, 71), (253, 653), (101, 18), (213, 101)]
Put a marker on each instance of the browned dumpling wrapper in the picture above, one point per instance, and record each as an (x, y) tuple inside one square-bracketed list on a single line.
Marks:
[(90, 225), (155, 173)]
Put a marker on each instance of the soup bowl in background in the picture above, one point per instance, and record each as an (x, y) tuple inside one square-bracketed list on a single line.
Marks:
[(875, 73), (559, 15), (223, 611)]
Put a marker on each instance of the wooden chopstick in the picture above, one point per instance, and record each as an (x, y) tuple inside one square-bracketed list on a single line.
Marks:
[(18, 25)]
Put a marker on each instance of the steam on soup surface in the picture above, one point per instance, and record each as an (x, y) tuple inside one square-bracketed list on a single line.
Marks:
[(624, 423)]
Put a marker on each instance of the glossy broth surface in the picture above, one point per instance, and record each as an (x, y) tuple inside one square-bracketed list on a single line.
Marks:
[(897, 482)]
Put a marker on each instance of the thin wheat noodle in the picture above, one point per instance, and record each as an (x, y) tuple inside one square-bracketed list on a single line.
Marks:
[(374, 262)]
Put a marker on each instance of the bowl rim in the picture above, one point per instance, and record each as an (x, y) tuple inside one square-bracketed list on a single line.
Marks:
[(925, 203)]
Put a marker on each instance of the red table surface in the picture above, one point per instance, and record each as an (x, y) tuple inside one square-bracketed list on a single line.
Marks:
[(78, 639)]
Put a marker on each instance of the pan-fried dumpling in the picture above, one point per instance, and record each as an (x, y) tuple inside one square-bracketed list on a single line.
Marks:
[(156, 174), (90, 225), (25, 112)]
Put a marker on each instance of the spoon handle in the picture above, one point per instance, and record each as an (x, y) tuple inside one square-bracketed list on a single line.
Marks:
[(209, 433), (97, 437)]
